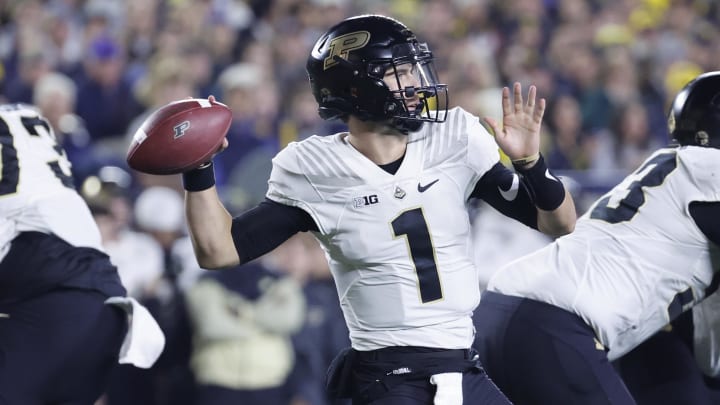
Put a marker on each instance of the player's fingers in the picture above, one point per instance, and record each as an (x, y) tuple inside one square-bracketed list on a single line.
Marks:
[(211, 98), (532, 92), (517, 96), (224, 145), (539, 111), (494, 125), (506, 101)]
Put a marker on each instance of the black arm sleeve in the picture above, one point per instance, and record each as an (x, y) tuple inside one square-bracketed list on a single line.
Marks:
[(513, 200), (266, 226), (707, 217)]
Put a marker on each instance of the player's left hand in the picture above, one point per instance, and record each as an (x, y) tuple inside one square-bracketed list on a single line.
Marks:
[(519, 135)]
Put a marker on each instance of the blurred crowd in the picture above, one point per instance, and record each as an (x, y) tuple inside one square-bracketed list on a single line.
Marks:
[(97, 68)]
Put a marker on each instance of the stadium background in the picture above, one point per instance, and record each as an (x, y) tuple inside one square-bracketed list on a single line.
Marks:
[(96, 69)]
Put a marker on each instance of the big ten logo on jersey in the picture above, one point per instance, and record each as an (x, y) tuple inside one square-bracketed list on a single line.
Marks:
[(359, 202)]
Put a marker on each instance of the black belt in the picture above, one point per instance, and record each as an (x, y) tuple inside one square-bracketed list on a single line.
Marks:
[(398, 353), (391, 366)]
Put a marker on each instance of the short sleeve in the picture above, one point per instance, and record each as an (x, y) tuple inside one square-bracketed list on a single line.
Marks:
[(483, 151), (288, 183), (703, 168)]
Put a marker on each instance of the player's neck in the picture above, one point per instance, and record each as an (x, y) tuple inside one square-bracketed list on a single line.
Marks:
[(381, 145)]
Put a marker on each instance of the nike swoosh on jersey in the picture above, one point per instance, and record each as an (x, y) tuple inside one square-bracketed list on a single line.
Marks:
[(511, 193), (422, 188)]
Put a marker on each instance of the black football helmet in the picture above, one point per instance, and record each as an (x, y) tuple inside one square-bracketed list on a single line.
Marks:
[(694, 117), (347, 65)]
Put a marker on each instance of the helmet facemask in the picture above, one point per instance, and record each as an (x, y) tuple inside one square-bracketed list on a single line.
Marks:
[(415, 94)]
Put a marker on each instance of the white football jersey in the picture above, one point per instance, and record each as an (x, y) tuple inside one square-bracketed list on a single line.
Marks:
[(36, 186), (636, 259), (399, 246)]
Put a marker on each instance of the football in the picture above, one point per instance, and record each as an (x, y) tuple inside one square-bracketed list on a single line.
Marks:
[(179, 136)]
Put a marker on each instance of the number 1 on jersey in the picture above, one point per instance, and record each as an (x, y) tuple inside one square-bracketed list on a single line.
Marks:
[(412, 225)]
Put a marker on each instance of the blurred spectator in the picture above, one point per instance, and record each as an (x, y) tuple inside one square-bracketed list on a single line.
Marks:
[(568, 148), (248, 93), (21, 49), (627, 143), (65, 38), (159, 212), (105, 100), (55, 94), (242, 321), (33, 64), (198, 64), (142, 24), (620, 76), (104, 17), (474, 78)]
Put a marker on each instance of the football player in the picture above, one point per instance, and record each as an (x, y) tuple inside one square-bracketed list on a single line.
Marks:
[(645, 252), (388, 203), (62, 323)]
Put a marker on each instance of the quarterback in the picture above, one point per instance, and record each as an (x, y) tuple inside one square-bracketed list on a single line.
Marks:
[(388, 202)]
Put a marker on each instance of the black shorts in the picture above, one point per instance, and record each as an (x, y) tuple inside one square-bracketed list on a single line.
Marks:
[(58, 340), (402, 376), (541, 354), (58, 347)]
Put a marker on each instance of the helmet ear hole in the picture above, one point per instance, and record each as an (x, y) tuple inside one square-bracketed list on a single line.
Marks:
[(702, 138), (334, 108), (391, 107)]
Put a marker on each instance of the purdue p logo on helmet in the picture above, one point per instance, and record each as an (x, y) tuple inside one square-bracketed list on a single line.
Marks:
[(342, 45)]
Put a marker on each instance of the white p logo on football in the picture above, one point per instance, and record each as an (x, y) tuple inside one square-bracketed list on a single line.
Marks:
[(180, 129)]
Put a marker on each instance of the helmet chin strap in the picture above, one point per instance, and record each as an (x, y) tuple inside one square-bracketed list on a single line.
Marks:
[(405, 125), (409, 124)]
